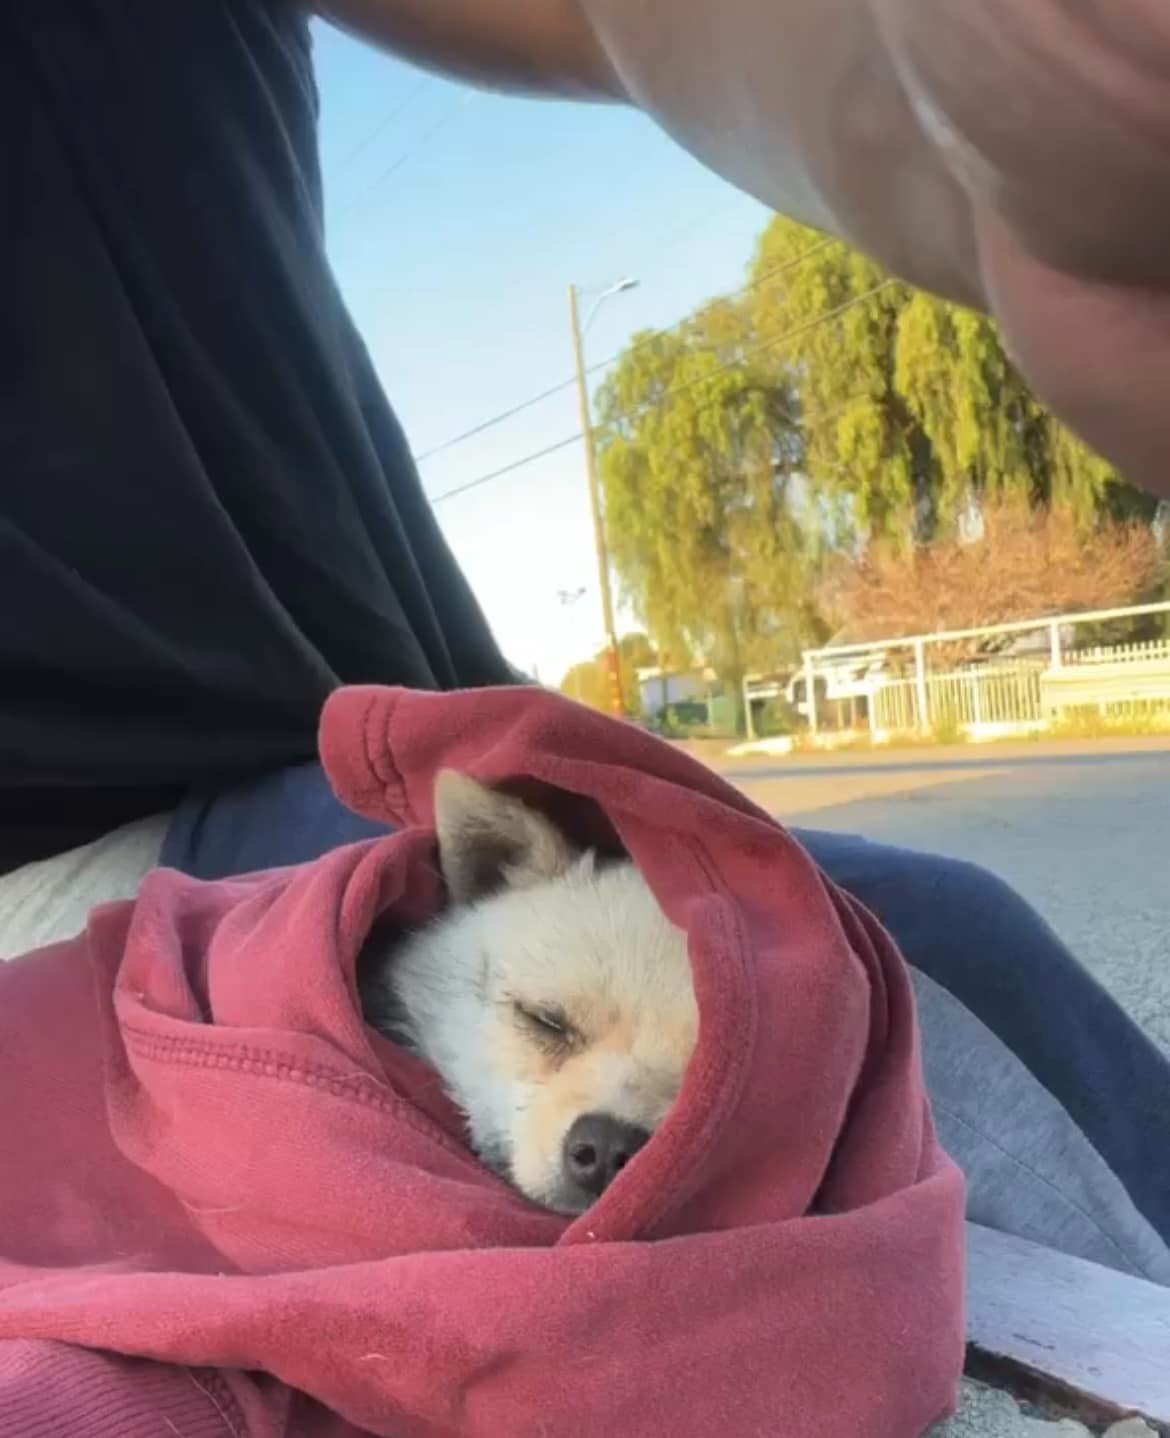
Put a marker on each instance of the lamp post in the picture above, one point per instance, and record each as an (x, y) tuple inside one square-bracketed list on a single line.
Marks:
[(615, 684)]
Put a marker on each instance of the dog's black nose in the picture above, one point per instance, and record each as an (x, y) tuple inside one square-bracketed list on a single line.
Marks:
[(597, 1148)]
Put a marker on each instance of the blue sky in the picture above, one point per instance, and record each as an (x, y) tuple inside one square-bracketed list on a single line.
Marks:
[(456, 221)]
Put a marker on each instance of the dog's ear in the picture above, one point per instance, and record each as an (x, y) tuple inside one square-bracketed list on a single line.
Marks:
[(490, 841)]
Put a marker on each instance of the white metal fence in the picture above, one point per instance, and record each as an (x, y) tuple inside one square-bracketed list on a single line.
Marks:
[(1124, 680), (1003, 694), (1154, 650)]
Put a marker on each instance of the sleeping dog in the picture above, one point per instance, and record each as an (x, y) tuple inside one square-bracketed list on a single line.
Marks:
[(552, 996)]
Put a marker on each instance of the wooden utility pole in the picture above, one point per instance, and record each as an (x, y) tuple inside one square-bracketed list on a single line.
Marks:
[(613, 667)]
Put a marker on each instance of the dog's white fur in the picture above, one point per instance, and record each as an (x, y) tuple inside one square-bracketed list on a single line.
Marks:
[(552, 987)]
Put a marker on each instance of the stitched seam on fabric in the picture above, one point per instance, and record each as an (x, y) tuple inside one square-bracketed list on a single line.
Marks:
[(1041, 1179), (371, 767), (263, 1063), (365, 733), (377, 766), (222, 1399)]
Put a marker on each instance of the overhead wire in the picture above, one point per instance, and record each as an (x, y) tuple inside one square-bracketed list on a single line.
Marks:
[(786, 266), (395, 112), (459, 101), (637, 410), (500, 418)]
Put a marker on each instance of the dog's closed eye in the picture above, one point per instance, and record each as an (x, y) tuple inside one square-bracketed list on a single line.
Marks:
[(548, 1025)]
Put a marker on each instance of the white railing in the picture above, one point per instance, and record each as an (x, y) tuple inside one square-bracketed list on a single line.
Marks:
[(1154, 650), (1001, 694), (1026, 692), (1122, 681)]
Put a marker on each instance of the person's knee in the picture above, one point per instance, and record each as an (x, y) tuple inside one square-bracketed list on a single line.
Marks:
[(968, 888), (883, 876)]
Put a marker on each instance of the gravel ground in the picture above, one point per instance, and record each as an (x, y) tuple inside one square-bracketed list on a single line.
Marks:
[(985, 1413)]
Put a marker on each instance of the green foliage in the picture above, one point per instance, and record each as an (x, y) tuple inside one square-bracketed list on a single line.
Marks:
[(948, 730), (775, 717), (588, 684), (1090, 723), (826, 318), (702, 517), (827, 407), (588, 681)]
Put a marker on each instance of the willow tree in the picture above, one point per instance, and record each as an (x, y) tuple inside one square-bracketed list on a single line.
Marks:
[(698, 474), (825, 320), (991, 437), (826, 410), (910, 409)]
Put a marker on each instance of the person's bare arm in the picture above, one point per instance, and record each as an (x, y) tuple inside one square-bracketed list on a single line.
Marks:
[(1012, 155), (527, 46)]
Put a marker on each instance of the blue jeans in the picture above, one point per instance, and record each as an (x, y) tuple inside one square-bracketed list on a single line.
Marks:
[(960, 926)]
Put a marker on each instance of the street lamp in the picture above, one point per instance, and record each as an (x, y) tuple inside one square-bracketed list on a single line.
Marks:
[(619, 287)]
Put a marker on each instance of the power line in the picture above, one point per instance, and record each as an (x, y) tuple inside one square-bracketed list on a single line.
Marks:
[(533, 400), (395, 112), (459, 100), (755, 284), (751, 350), (817, 417), (507, 468), (495, 419), (669, 394)]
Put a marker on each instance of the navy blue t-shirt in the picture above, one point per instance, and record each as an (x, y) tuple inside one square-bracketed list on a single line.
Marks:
[(209, 517)]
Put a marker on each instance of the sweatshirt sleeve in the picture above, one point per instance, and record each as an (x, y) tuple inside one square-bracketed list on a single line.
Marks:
[(53, 1390)]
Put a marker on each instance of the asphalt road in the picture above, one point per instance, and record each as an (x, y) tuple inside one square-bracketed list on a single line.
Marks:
[(1083, 831)]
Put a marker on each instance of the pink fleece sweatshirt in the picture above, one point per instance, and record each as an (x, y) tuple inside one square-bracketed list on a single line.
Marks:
[(229, 1210)]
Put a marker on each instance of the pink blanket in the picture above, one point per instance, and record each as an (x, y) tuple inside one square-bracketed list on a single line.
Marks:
[(206, 1160)]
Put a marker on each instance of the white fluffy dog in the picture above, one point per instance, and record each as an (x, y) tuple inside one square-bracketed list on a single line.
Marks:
[(552, 996)]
